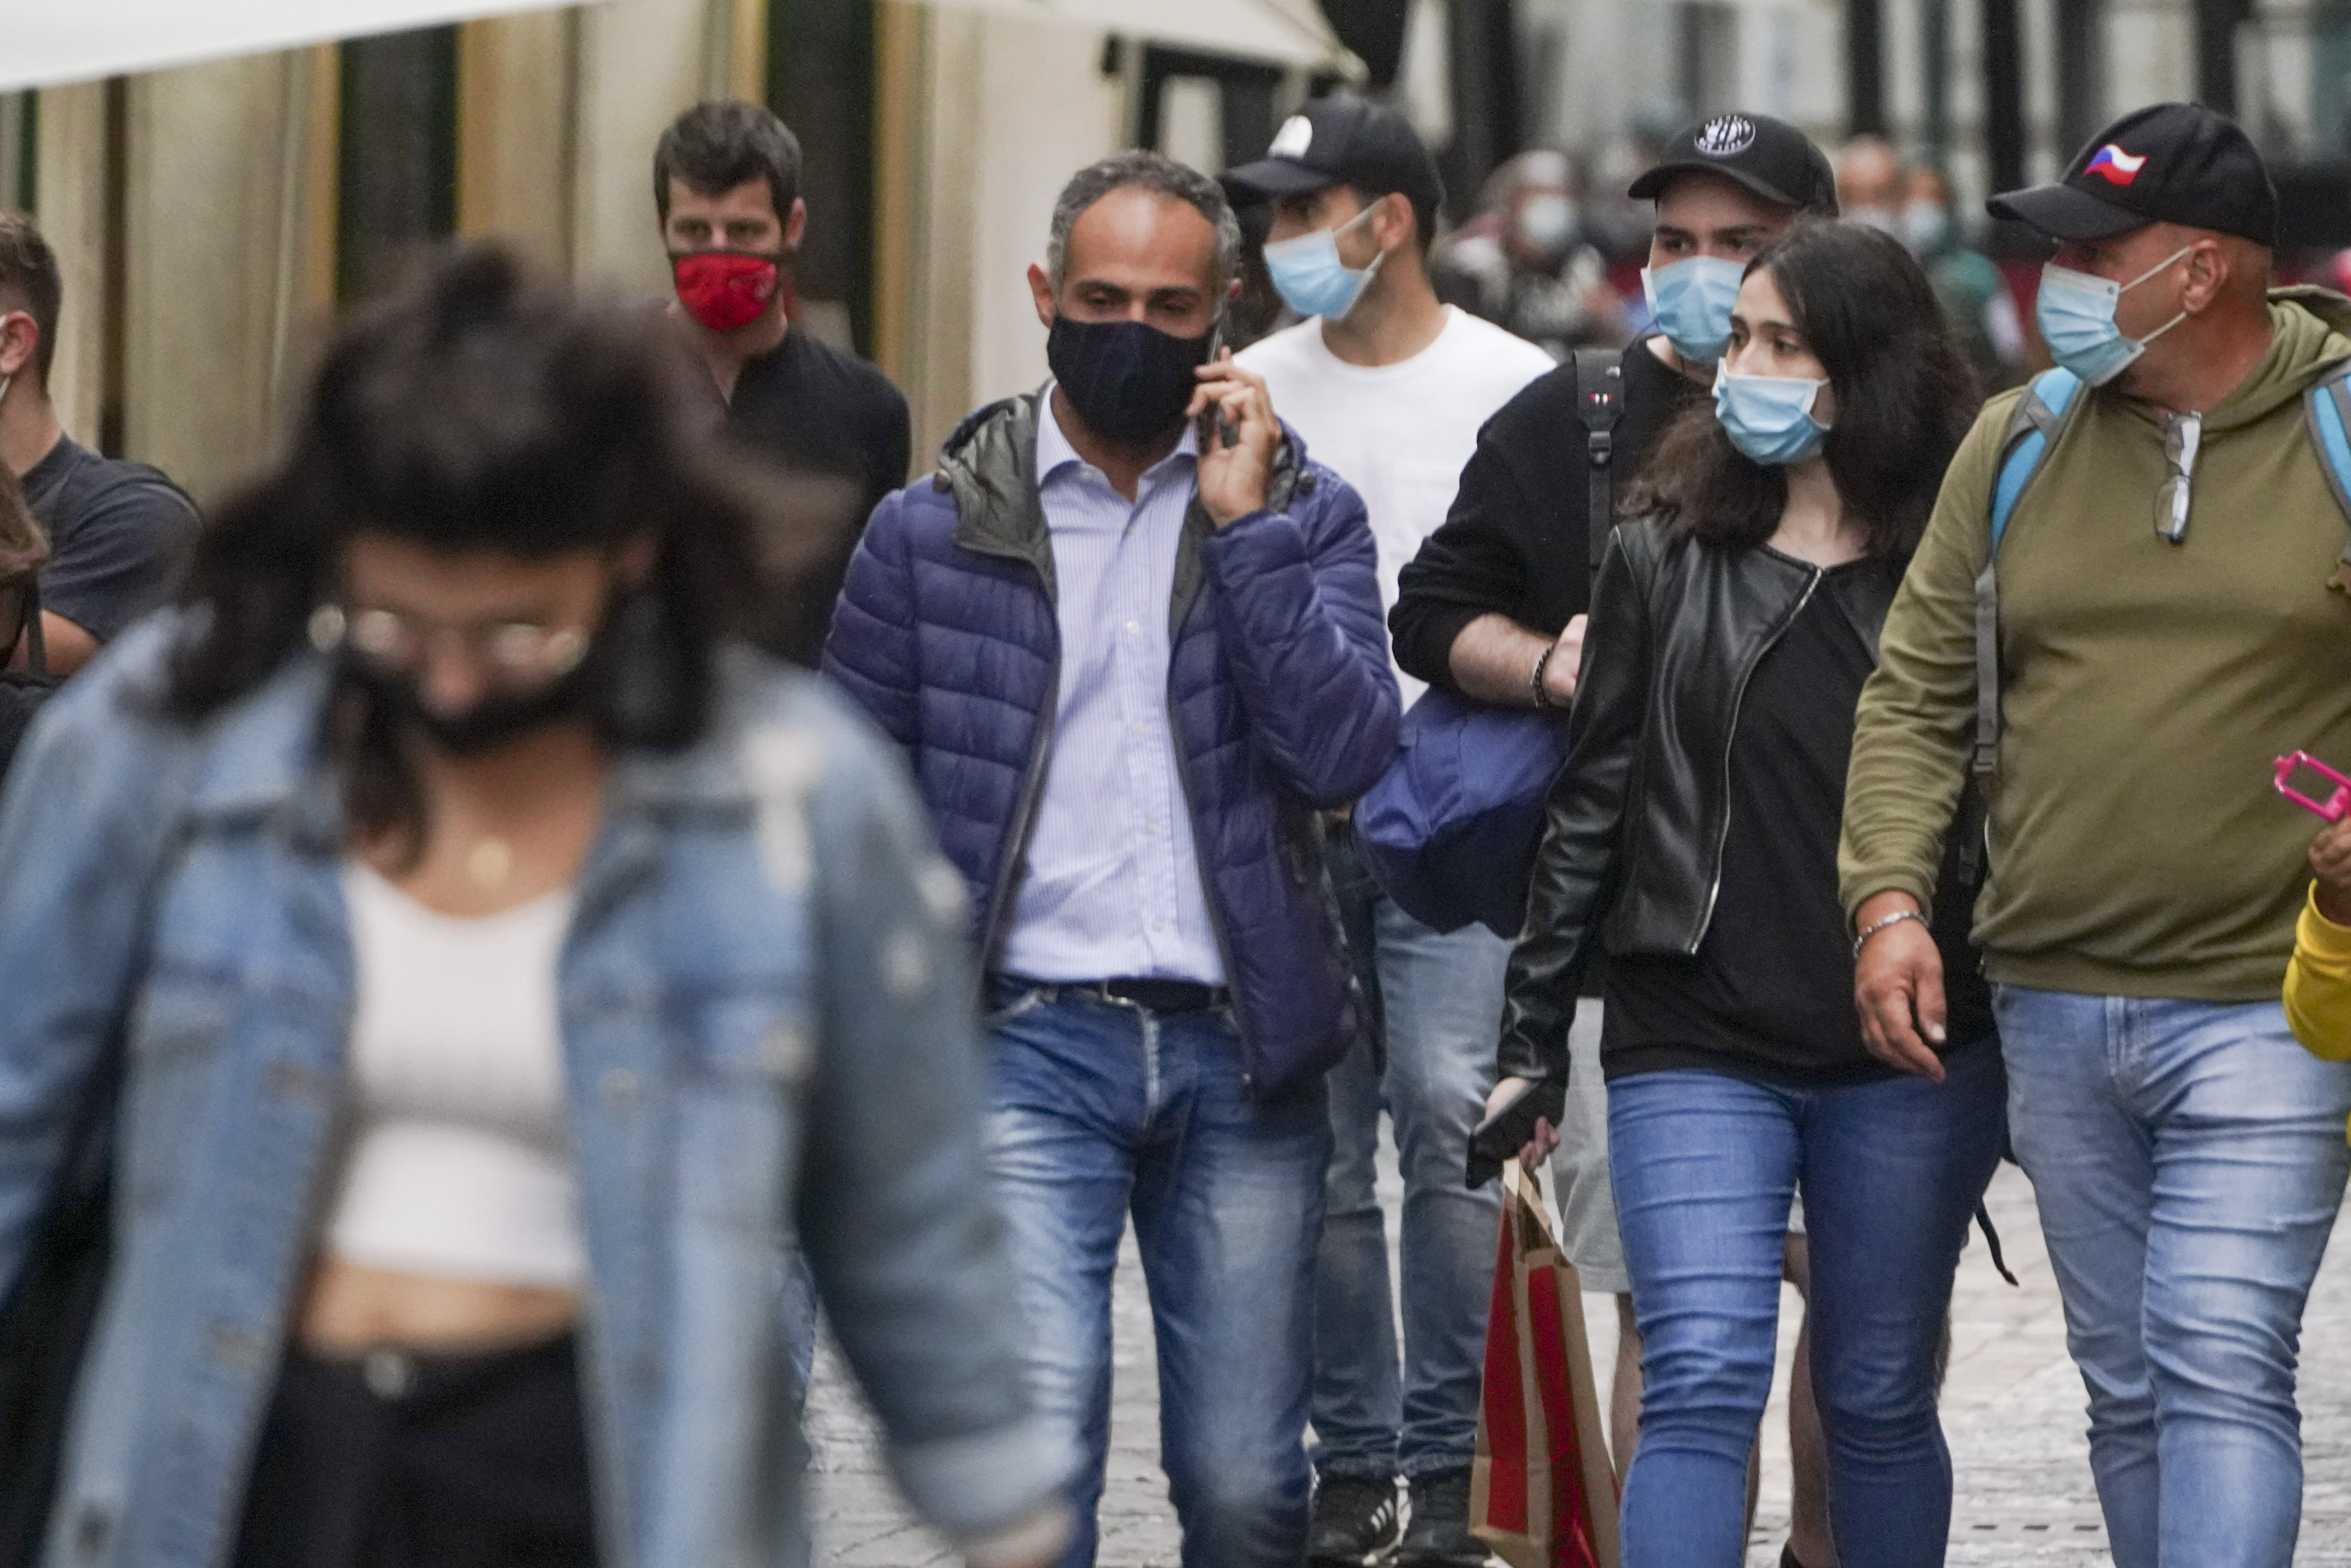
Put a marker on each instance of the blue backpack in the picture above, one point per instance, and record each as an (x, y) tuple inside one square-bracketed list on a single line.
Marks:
[(2033, 428), (1452, 827)]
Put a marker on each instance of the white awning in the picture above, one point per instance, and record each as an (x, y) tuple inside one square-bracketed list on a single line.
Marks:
[(1284, 32), (44, 43)]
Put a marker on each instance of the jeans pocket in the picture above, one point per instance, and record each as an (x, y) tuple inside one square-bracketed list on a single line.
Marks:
[(1024, 1001)]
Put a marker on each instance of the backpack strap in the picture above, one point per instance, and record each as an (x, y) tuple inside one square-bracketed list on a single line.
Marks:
[(2327, 408), (2033, 426), (1599, 403)]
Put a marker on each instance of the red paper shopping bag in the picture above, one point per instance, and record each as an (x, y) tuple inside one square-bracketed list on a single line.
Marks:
[(1543, 1494)]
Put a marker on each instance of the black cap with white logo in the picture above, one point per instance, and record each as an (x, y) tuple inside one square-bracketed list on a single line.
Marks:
[(1344, 140), (2169, 162), (1769, 157)]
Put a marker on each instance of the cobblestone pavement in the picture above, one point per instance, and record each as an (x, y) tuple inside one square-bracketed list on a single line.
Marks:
[(2013, 1407)]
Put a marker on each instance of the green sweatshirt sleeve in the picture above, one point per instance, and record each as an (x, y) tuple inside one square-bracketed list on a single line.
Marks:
[(1916, 719)]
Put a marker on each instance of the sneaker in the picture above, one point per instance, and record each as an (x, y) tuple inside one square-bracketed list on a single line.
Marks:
[(1439, 1534), (1354, 1522)]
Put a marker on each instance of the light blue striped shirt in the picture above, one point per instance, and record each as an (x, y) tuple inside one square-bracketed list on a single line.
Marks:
[(1111, 886)]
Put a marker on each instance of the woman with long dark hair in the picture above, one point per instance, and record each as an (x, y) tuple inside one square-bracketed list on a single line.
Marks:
[(499, 960), (1693, 835)]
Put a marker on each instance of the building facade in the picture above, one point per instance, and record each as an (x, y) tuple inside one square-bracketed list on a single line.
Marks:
[(211, 218)]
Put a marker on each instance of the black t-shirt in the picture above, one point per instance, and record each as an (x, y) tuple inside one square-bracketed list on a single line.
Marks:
[(117, 531), (814, 409), (1515, 542), (1769, 995)]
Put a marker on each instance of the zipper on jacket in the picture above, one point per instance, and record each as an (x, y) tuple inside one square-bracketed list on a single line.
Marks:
[(1032, 797), (1183, 781), (1207, 894), (1738, 702)]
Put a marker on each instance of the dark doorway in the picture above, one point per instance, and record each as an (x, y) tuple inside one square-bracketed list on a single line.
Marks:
[(1246, 90), (820, 79), (399, 154), (1865, 68)]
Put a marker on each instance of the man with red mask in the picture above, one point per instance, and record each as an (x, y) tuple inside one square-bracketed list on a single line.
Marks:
[(726, 182)]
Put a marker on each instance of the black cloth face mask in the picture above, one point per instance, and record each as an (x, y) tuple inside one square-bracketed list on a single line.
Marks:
[(496, 719), (1129, 381)]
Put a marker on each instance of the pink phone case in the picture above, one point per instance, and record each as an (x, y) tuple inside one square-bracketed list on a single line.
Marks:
[(2333, 807)]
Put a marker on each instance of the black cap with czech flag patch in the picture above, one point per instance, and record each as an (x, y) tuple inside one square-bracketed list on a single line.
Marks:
[(2169, 162), (1768, 156)]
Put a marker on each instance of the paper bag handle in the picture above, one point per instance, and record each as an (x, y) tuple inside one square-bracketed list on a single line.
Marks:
[(1526, 1186)]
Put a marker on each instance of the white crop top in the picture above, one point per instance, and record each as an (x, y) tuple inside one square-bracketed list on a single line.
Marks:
[(459, 1159)]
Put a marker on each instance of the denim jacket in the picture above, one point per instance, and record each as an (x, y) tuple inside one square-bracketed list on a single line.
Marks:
[(765, 1012)]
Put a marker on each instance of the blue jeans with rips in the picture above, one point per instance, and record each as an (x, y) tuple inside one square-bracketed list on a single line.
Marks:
[(1704, 1165), (1438, 999), (2188, 1159), (1099, 1109)]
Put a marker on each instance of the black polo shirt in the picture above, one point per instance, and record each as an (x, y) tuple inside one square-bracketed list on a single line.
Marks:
[(810, 408)]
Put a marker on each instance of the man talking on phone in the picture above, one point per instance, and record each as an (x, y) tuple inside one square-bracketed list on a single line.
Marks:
[(1391, 386), (1131, 639)]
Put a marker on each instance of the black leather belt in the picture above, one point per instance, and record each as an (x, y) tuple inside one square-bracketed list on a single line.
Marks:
[(1164, 995), (1151, 995)]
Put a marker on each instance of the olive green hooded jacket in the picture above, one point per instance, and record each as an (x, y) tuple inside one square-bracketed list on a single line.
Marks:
[(2135, 846)]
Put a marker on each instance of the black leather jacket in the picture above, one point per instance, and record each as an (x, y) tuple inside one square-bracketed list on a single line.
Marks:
[(1632, 851)]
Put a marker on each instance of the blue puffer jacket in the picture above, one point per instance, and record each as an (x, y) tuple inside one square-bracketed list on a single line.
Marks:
[(1278, 689)]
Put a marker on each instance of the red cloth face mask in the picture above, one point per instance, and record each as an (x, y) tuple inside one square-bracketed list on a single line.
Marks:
[(724, 289)]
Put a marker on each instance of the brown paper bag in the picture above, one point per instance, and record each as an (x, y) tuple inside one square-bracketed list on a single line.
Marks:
[(1543, 1493)]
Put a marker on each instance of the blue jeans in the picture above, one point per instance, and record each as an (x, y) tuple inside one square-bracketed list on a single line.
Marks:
[(1704, 1166), (1099, 1109), (2188, 1159), (1440, 1000)]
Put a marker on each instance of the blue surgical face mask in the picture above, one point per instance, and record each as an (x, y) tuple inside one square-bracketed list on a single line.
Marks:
[(1769, 418), (1308, 275), (1547, 221), (1925, 226), (1691, 300), (2077, 320)]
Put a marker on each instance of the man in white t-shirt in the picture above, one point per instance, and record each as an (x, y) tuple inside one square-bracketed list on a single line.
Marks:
[(1389, 387)]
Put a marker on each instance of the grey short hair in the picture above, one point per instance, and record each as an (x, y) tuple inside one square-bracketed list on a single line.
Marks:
[(1149, 172)]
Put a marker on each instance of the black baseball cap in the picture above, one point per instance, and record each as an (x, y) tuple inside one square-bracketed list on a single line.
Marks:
[(1769, 157), (1344, 140), (2169, 162)]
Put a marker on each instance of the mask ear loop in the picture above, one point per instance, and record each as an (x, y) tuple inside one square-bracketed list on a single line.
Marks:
[(2159, 266), (7, 381), (1371, 268), (2142, 277)]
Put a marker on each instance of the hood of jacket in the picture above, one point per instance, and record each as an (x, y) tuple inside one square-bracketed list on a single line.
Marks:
[(2310, 333)]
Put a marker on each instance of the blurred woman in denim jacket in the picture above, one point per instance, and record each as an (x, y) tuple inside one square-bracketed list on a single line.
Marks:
[(504, 960)]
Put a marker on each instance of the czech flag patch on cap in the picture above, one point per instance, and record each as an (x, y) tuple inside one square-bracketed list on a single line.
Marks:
[(2118, 166)]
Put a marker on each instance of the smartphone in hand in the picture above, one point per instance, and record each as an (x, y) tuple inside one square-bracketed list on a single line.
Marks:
[(1213, 428), (1500, 1136)]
